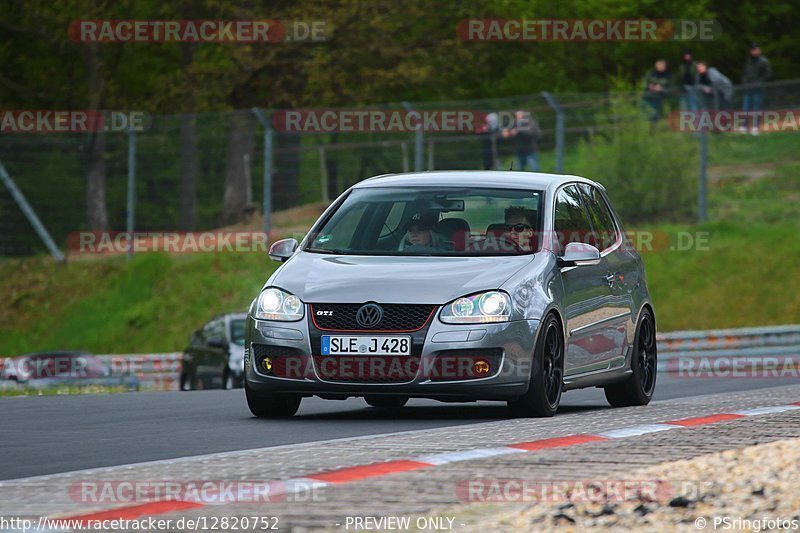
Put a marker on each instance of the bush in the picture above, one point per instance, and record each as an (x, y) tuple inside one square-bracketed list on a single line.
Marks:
[(650, 172)]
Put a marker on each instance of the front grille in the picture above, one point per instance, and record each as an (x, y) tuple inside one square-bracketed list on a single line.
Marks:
[(396, 317), (367, 368)]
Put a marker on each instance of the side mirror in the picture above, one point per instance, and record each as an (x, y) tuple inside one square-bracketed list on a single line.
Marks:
[(579, 254), (216, 342), (282, 250)]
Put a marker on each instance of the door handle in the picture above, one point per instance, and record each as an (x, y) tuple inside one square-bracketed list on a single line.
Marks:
[(610, 278)]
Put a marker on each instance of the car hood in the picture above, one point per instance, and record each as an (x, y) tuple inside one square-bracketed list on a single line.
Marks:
[(318, 278)]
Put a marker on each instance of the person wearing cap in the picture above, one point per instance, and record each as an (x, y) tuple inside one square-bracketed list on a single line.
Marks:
[(420, 236), (757, 72)]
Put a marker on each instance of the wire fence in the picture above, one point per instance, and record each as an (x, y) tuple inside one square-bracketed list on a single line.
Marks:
[(204, 171)]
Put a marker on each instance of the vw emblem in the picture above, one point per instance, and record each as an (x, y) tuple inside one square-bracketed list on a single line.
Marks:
[(369, 315)]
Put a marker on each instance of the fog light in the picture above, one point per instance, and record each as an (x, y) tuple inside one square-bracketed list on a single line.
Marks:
[(266, 365), (480, 367)]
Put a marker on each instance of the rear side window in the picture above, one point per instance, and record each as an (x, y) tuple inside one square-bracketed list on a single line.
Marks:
[(605, 233), (571, 222)]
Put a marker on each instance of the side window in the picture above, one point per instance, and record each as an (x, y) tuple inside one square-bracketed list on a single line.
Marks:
[(604, 229), (215, 328), (571, 223)]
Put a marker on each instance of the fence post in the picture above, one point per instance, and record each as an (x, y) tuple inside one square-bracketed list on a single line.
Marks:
[(267, 204), (323, 174), (551, 101), (30, 214), (131, 188), (702, 196), (419, 139), (695, 104), (404, 151)]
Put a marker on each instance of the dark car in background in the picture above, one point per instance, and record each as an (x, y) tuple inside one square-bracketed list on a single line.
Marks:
[(63, 368), (215, 355)]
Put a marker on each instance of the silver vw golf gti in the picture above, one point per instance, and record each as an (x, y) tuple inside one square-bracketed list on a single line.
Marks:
[(456, 286)]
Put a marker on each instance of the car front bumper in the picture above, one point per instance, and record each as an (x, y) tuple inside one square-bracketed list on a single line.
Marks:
[(508, 378)]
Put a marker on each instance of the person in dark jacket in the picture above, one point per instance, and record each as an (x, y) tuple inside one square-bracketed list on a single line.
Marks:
[(686, 74), (526, 134), (488, 132), (657, 85), (757, 72), (717, 87)]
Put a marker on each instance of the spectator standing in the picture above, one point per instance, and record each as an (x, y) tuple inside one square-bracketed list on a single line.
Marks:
[(756, 73), (714, 85), (526, 134), (657, 85), (488, 134), (686, 74)]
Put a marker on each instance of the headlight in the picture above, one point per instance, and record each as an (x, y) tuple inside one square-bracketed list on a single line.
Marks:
[(275, 304), (491, 306)]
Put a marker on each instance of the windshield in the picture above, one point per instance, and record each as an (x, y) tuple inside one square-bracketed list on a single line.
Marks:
[(237, 331), (433, 222)]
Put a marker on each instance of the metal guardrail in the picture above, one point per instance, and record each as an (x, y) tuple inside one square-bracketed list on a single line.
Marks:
[(160, 371), (722, 348), (157, 371), (719, 348)]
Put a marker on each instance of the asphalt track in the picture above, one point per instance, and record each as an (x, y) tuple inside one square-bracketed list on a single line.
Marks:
[(52, 434)]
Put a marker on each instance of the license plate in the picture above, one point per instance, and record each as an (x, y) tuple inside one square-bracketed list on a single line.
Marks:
[(347, 345)]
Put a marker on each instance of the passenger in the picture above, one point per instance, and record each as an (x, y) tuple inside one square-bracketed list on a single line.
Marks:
[(519, 230), (420, 236)]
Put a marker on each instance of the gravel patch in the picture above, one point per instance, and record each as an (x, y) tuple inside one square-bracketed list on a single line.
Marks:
[(747, 489)]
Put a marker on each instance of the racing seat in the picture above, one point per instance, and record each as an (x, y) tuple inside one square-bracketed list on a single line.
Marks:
[(455, 230), (495, 230)]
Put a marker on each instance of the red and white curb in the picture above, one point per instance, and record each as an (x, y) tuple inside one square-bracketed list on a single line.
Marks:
[(375, 470)]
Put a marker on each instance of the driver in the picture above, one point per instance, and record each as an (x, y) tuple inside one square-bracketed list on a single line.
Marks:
[(519, 227), (420, 236)]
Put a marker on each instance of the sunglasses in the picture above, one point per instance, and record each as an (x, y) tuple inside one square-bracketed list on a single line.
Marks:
[(518, 228), (417, 229)]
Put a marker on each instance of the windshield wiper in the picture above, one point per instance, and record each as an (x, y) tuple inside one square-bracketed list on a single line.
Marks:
[(324, 251)]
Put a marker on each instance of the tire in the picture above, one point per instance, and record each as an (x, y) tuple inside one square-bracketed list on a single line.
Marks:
[(386, 402), (639, 387), (547, 374), (187, 382), (230, 380), (271, 406)]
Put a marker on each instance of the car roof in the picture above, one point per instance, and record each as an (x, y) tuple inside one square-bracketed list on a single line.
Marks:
[(506, 179)]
